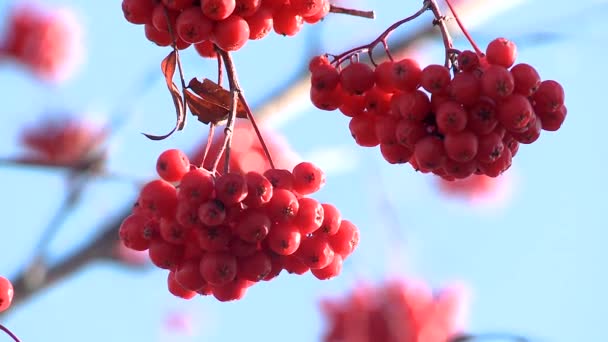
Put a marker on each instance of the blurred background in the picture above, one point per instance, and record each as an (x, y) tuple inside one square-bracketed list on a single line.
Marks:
[(528, 246)]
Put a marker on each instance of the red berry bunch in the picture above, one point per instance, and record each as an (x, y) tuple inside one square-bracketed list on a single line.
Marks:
[(221, 234), (47, 42), (6, 293), (394, 312), (454, 126), (229, 24), (61, 141)]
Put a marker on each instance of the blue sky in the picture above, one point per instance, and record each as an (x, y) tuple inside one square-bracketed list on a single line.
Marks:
[(534, 265)]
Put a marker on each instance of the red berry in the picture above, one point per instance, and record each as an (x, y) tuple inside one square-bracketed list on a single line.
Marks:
[(284, 238), (316, 62), (178, 5), (406, 74), (552, 121), (138, 11), (287, 22), (283, 205), (497, 82), (429, 153), (163, 17), (212, 213), (260, 23), (482, 116), (196, 186), (218, 268), (176, 289), (362, 129), (395, 153), (451, 117), (315, 18), (132, 232), (193, 26), (435, 78), (253, 226), (172, 165), (280, 178), (165, 255), (307, 178), (255, 267), (218, 9), (158, 199), (526, 78), (173, 232), (246, 8), (465, 88), (357, 78), (467, 60), (259, 190), (330, 271), (310, 215), (346, 239), (214, 239), (6, 294), (231, 33), (324, 77), (461, 146), (315, 252), (490, 148), (515, 112), (332, 218), (157, 37), (501, 52), (231, 188), (189, 275), (205, 49), (548, 97), (307, 8)]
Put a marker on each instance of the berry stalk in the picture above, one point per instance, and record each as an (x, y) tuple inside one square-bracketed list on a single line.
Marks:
[(236, 88), (381, 39), (9, 333), (209, 142), (463, 29), (445, 34)]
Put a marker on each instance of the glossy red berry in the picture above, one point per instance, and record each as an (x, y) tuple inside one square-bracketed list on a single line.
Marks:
[(176, 289), (231, 33), (193, 26), (172, 165), (501, 51), (218, 9), (218, 268), (307, 178), (6, 293)]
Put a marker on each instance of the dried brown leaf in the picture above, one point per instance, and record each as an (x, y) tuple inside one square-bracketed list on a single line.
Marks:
[(168, 67), (218, 97)]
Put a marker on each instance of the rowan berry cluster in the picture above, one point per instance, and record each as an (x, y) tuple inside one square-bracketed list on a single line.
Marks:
[(6, 293), (44, 41), (221, 234), (454, 126), (229, 24), (393, 312)]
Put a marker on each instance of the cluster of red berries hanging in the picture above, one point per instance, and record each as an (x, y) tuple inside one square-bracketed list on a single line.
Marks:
[(220, 235), (397, 311), (44, 40), (454, 126), (227, 23)]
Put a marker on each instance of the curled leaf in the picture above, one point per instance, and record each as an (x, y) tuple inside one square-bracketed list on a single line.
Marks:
[(168, 67), (210, 102)]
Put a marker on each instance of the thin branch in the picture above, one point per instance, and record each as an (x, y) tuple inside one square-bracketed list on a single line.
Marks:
[(463, 29), (445, 34), (353, 12), (9, 333)]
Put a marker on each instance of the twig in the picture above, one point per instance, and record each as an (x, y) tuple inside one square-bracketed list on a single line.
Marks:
[(353, 12), (381, 39), (463, 29), (445, 34), (209, 142), (9, 333)]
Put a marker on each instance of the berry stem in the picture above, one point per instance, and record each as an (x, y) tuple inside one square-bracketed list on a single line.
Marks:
[(353, 12), (235, 87), (9, 333), (381, 39), (219, 70), (463, 29), (445, 34), (209, 142)]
